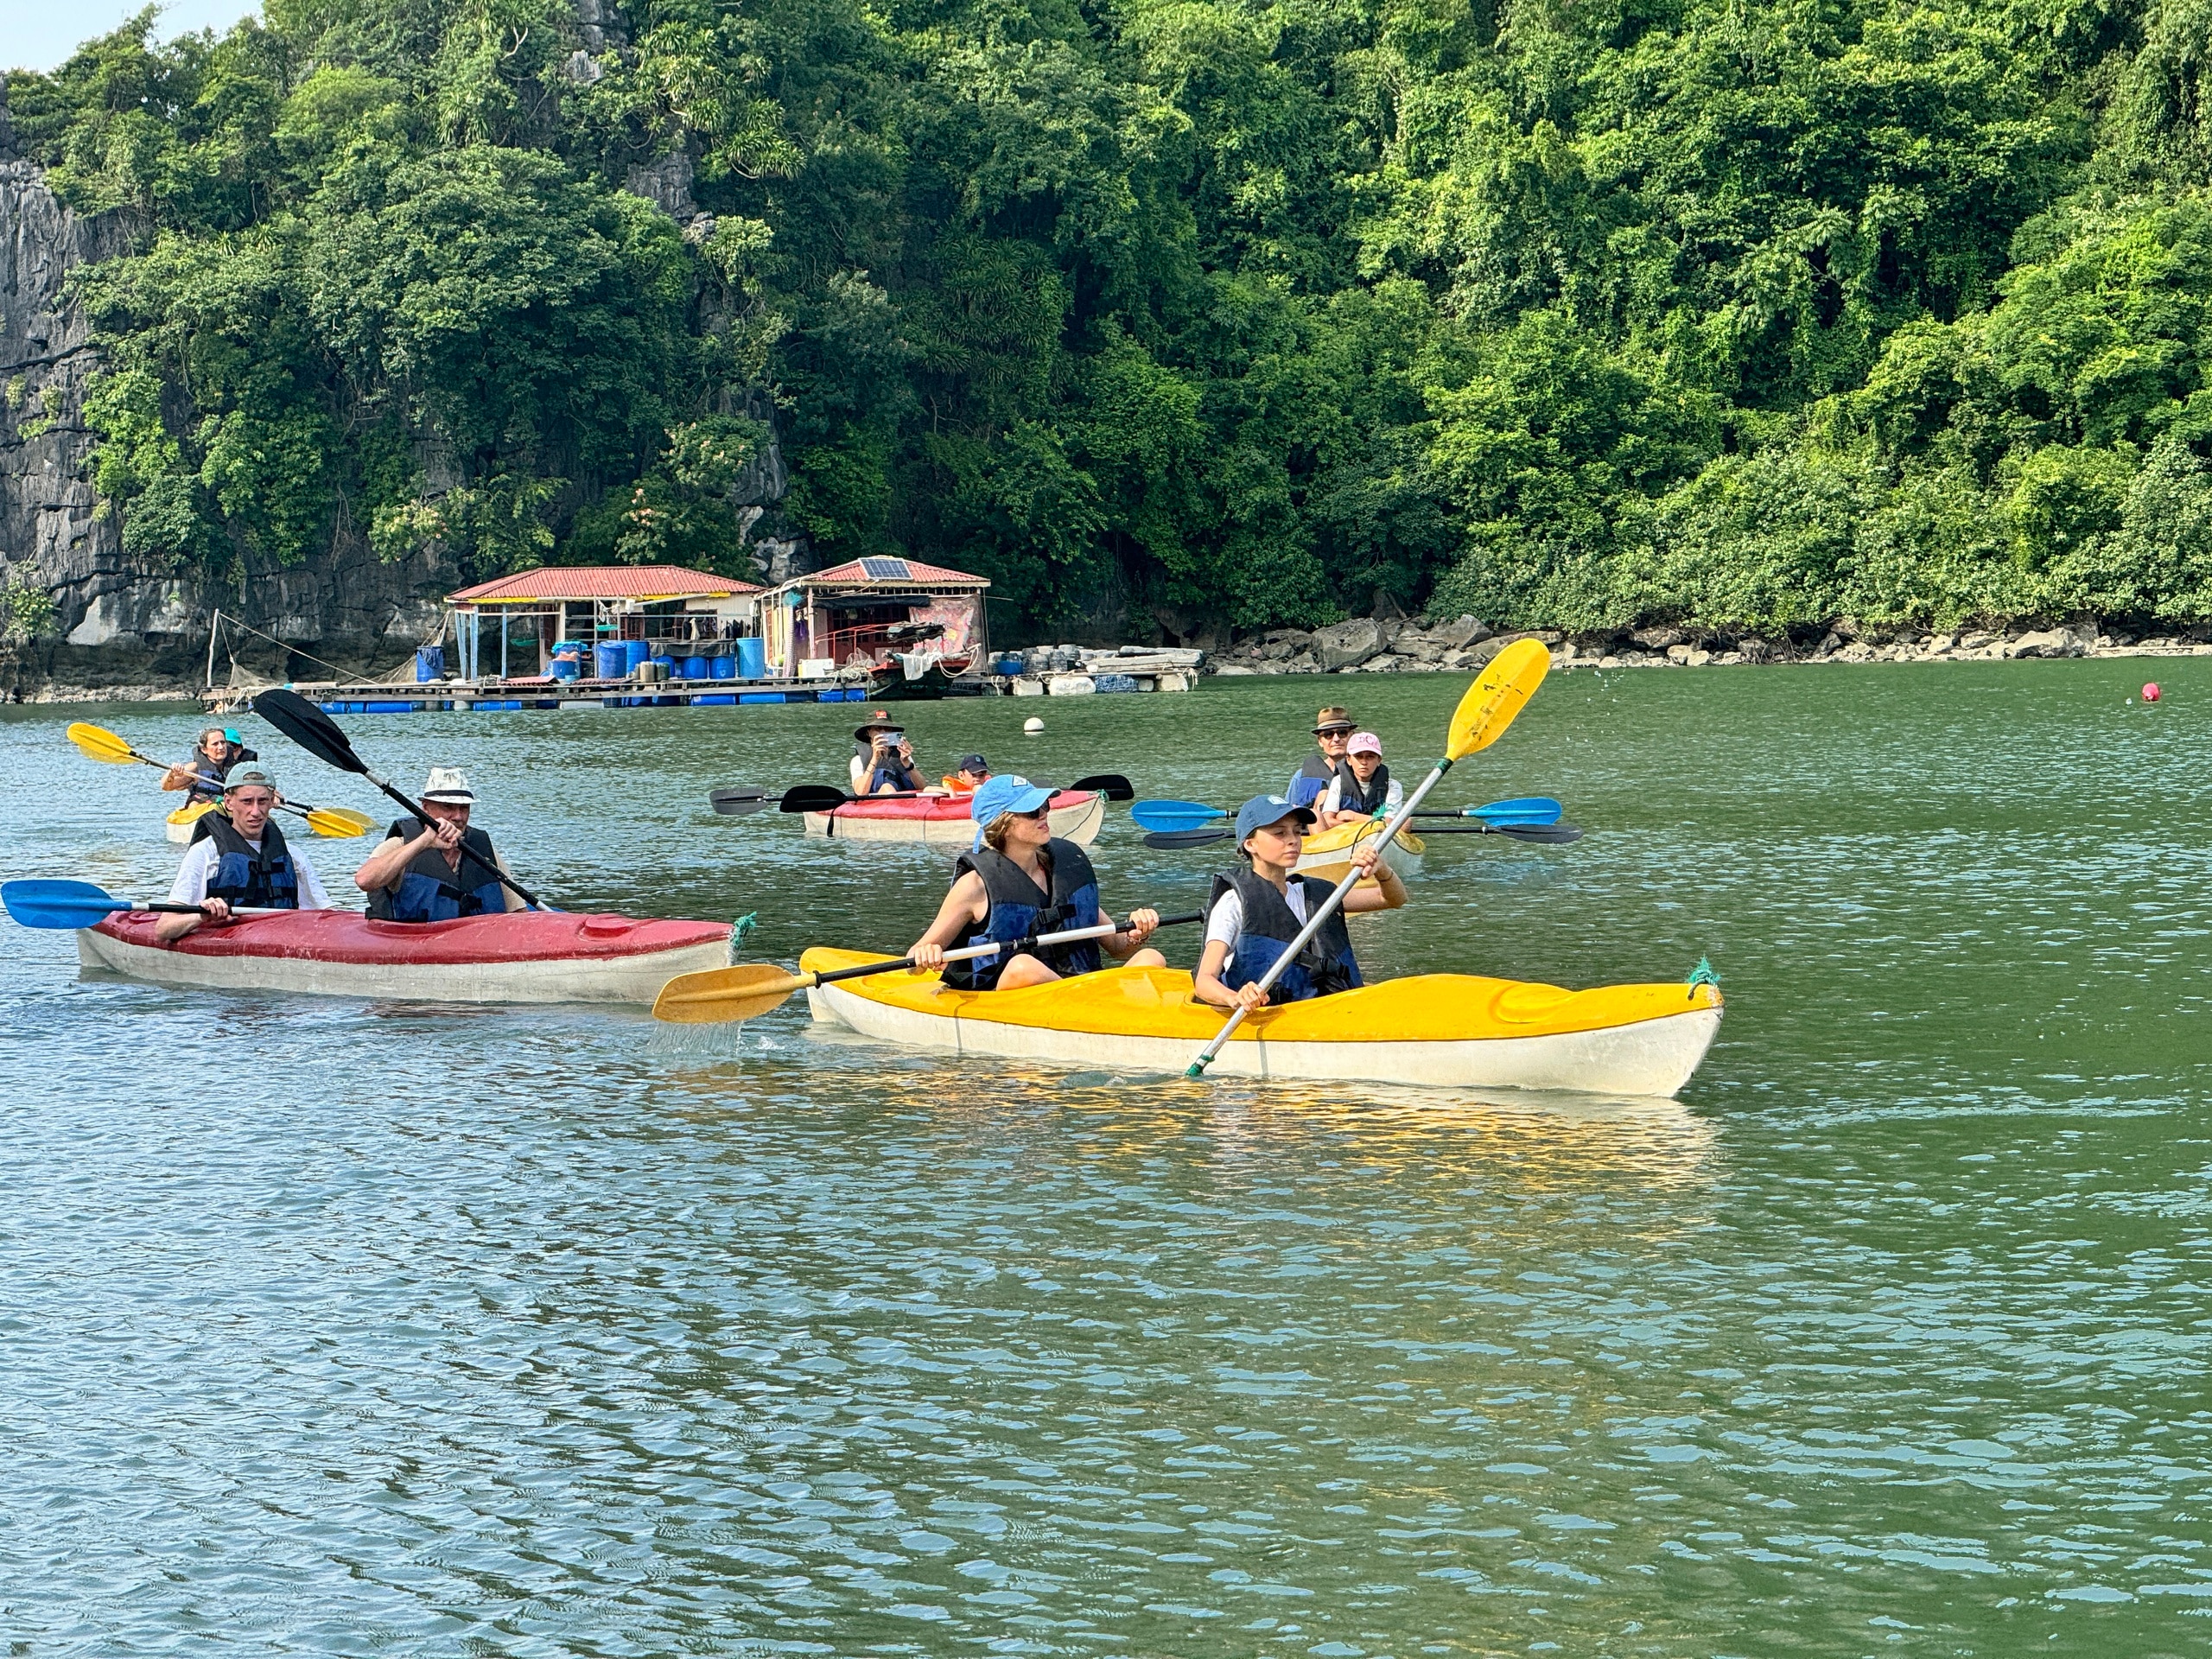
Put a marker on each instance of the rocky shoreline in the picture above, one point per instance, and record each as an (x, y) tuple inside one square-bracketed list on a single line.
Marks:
[(1419, 646)]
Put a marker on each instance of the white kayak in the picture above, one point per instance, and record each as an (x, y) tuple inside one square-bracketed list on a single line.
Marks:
[(519, 956)]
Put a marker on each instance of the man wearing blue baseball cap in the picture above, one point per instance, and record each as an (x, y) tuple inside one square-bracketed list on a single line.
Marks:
[(1020, 880), (1256, 909)]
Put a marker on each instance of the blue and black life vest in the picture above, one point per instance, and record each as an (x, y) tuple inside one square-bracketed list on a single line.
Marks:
[(899, 777), (1021, 910), (246, 877), (1311, 782), (431, 890), (1325, 967)]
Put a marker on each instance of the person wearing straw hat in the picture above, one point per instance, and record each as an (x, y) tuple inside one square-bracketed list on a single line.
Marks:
[(1256, 909), (419, 874), (239, 860), (1362, 789), (1019, 880), (883, 761), (1333, 729)]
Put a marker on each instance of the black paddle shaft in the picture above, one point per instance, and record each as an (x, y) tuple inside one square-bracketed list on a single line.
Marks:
[(321, 737)]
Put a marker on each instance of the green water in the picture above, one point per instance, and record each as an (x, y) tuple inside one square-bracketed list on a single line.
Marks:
[(338, 1327)]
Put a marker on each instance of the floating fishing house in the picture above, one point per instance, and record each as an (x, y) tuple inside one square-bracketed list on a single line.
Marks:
[(664, 605), (863, 612)]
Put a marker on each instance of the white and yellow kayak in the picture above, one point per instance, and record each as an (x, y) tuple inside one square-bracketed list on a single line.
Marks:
[(1456, 1031), (1328, 852), (179, 824), (943, 820)]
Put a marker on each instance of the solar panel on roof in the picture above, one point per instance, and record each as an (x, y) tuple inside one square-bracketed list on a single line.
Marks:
[(885, 570)]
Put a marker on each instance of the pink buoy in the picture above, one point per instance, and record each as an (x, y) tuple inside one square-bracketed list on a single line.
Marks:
[(2151, 692)]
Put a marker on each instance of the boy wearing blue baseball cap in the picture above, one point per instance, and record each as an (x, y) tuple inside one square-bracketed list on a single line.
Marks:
[(1020, 882), (1256, 909)]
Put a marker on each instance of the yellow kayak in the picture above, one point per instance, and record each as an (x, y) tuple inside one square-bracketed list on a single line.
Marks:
[(178, 823), (1328, 852), (1448, 1030)]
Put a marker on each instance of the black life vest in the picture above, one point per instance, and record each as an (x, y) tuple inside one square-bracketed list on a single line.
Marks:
[(208, 776), (431, 890), (1325, 967), (1367, 797), (1017, 913), (247, 878)]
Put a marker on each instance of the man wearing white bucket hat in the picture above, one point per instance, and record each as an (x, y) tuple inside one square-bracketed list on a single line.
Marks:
[(437, 871)]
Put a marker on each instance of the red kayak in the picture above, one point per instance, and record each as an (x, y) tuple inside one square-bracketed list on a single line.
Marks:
[(519, 956), (943, 820)]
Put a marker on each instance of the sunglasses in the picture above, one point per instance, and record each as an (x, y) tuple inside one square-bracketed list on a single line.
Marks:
[(1041, 813)]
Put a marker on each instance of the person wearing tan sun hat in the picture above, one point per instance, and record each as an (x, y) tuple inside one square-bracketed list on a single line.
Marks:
[(1332, 730)]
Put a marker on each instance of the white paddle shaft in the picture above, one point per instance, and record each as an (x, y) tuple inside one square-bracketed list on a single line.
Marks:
[(1313, 923)]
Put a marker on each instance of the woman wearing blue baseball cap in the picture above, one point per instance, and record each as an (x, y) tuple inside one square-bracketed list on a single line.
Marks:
[(1257, 909), (1020, 882)]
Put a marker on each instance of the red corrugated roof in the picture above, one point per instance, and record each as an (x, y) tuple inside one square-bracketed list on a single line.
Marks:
[(603, 581), (851, 576)]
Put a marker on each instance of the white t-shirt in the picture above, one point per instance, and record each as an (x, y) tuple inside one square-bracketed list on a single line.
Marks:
[(199, 869), (1392, 797), (1226, 921)]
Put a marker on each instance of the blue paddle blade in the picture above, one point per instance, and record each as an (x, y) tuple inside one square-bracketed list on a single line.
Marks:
[(1529, 808), (57, 904), (1171, 816)]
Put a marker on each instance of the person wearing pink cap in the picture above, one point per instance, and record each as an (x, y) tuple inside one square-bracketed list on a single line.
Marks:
[(1363, 787)]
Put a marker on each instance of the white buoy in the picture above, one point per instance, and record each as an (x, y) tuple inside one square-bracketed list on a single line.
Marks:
[(1032, 726)]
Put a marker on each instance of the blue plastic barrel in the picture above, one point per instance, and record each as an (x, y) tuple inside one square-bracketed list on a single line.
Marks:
[(762, 697), (566, 668), (721, 668), (610, 659), (694, 668), (751, 658), (724, 697), (430, 664), (635, 651)]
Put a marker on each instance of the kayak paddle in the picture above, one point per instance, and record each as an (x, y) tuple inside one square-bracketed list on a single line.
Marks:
[(1479, 721), (80, 904), (315, 731), (1543, 835), (1175, 817), (720, 995), (1172, 816), (99, 744), (740, 803)]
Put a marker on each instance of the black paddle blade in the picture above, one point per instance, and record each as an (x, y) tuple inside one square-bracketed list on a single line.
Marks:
[(309, 727), (813, 797), (738, 803), (1171, 840), (1111, 785)]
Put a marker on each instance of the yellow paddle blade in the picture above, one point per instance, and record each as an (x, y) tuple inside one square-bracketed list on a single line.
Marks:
[(192, 814), (339, 823), (720, 995), (101, 744), (1493, 701)]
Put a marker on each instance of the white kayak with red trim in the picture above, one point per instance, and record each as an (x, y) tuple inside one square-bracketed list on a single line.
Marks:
[(518, 956), (943, 820)]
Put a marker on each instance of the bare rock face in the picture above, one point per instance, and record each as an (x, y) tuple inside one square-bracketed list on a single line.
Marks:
[(1347, 644)]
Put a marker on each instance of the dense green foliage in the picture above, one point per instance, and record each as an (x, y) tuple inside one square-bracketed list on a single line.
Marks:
[(1750, 314)]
